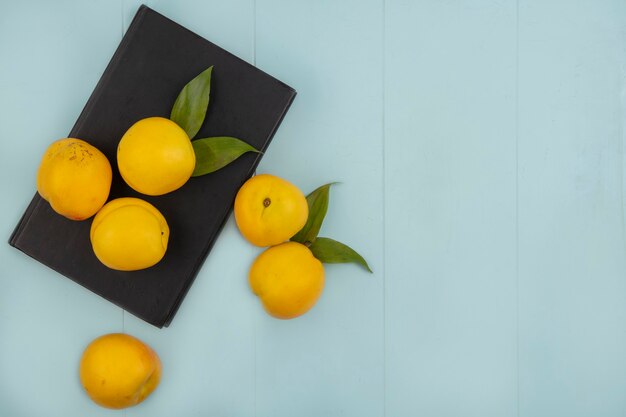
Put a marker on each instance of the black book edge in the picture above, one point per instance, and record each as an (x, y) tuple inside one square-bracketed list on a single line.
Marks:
[(115, 60)]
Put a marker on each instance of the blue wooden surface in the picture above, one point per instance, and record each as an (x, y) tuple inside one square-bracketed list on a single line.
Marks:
[(479, 146)]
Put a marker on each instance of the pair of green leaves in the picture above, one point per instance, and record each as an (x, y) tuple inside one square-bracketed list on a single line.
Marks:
[(325, 249), (189, 112)]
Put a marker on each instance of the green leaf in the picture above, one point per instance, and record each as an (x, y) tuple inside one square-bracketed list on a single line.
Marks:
[(318, 205), (191, 105), (330, 251), (217, 152)]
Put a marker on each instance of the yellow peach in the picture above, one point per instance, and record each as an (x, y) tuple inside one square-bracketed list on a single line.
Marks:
[(118, 370)]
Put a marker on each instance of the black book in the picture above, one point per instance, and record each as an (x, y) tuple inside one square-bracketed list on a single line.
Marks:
[(153, 62)]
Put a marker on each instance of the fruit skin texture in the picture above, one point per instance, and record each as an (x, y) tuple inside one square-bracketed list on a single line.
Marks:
[(155, 156), (270, 210), (288, 279), (129, 234), (118, 370), (75, 178)]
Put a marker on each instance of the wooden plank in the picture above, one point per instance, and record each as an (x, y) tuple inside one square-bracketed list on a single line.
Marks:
[(330, 361), (571, 242), (208, 350), (52, 57), (450, 178)]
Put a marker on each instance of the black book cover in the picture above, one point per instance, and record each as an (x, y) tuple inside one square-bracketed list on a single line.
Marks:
[(154, 60)]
